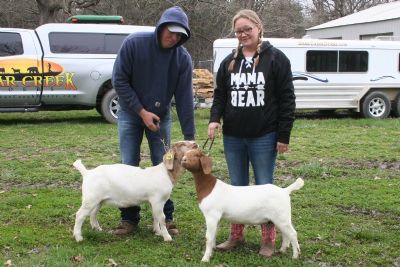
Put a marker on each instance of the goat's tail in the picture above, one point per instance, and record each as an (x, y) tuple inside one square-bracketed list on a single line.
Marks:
[(295, 186), (80, 167)]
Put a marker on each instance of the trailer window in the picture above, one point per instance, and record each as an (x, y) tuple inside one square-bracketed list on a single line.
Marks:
[(336, 61), (10, 44), (353, 61), (321, 61), (89, 43)]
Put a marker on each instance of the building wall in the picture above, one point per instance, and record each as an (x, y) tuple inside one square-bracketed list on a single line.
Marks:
[(358, 31)]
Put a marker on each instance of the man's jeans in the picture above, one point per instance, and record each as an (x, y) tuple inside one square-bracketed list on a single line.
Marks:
[(260, 152), (131, 129)]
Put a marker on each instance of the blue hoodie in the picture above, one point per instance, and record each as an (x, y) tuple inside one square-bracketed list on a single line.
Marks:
[(147, 76)]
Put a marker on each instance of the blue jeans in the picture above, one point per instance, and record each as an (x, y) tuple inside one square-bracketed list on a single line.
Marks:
[(131, 129), (260, 152)]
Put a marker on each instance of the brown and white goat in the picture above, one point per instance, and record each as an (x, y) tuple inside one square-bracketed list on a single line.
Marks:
[(256, 204)]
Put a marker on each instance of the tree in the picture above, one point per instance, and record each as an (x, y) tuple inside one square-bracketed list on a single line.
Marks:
[(49, 10), (18, 14), (209, 19)]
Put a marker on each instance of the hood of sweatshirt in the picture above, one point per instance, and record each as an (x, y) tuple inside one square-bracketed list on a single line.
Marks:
[(265, 46), (242, 61), (173, 15)]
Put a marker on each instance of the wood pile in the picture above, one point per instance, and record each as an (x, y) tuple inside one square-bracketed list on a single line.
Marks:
[(203, 84)]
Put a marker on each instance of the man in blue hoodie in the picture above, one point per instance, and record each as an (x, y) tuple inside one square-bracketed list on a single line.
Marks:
[(150, 69)]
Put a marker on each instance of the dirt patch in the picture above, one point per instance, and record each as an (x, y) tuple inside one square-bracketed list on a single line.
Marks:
[(383, 165), (40, 185), (368, 213)]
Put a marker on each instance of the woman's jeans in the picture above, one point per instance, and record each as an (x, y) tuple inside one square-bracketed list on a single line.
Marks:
[(131, 129), (259, 151)]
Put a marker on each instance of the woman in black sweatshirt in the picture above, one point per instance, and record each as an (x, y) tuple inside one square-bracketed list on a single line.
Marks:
[(255, 99)]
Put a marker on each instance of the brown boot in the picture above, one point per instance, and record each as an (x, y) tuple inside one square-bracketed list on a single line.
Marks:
[(268, 232), (235, 238), (171, 227), (124, 228)]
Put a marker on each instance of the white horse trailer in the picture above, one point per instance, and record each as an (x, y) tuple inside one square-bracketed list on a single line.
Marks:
[(363, 76)]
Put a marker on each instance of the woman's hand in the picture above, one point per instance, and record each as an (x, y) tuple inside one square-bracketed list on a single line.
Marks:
[(281, 147), (211, 129)]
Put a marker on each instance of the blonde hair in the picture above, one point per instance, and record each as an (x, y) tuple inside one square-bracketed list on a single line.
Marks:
[(253, 17)]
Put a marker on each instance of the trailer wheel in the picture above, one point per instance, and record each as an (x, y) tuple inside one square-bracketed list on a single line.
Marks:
[(376, 105), (109, 106), (396, 108)]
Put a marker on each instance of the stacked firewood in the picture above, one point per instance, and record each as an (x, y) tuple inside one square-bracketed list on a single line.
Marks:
[(203, 84)]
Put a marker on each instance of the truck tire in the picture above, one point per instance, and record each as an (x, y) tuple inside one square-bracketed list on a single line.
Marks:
[(109, 106), (376, 105), (396, 107)]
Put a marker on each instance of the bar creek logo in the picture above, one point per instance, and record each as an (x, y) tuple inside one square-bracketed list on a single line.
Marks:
[(26, 72)]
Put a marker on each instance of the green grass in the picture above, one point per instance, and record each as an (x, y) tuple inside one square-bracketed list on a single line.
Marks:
[(347, 214)]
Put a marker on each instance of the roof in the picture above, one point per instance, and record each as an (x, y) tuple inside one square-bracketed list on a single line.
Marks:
[(381, 12)]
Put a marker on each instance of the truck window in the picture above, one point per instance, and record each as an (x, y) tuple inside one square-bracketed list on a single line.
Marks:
[(113, 42), (10, 44), (321, 61), (89, 43), (353, 61)]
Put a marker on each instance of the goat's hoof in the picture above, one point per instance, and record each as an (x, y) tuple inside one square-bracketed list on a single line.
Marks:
[(296, 255), (168, 239), (204, 259), (78, 238)]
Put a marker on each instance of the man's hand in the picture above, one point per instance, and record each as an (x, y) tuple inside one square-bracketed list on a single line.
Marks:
[(151, 120), (211, 129)]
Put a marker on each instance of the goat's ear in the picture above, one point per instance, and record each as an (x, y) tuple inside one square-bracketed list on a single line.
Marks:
[(206, 164), (169, 160)]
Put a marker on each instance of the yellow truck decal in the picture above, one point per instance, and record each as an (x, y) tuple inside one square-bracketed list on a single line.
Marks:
[(31, 73)]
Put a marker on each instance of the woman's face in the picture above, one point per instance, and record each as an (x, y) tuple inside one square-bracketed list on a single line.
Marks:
[(247, 33)]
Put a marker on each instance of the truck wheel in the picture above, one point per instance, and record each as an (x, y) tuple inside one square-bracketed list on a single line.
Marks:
[(396, 108), (376, 105), (109, 106)]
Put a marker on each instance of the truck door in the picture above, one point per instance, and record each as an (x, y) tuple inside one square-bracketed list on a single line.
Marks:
[(20, 69)]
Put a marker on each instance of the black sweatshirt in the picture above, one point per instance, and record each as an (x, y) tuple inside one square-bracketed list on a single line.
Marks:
[(255, 101)]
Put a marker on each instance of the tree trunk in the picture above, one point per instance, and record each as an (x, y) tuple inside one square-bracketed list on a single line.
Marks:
[(48, 10)]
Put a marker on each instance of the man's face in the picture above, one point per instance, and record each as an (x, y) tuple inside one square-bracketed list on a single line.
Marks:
[(169, 39)]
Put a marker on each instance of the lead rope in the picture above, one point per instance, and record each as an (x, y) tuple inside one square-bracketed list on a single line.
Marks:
[(162, 139), (165, 145), (211, 144)]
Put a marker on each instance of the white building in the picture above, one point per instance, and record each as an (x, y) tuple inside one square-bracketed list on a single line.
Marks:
[(380, 20)]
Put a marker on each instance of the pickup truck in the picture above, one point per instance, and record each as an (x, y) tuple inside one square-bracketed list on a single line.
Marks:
[(61, 66)]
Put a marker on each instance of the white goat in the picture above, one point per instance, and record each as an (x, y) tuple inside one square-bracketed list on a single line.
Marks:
[(123, 186), (257, 204)]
